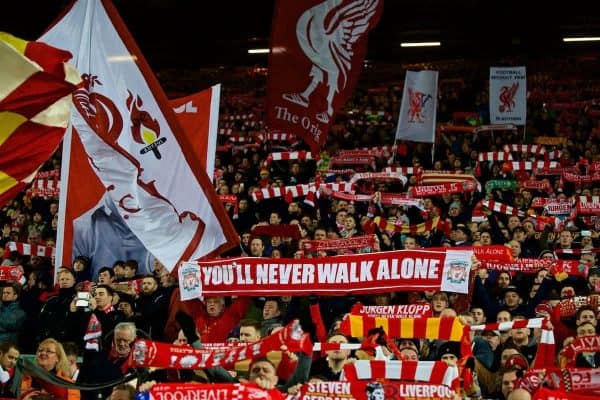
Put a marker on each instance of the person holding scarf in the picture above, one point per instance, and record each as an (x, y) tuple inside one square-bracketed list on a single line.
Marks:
[(51, 357), (107, 363), (100, 309)]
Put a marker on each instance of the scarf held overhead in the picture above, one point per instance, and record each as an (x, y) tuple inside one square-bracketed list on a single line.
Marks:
[(147, 353)]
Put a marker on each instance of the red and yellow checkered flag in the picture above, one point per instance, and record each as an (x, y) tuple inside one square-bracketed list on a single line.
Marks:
[(35, 107)]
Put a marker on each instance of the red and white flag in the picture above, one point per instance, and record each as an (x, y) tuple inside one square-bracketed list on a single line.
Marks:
[(317, 51), (508, 95), (145, 186), (419, 103), (198, 115)]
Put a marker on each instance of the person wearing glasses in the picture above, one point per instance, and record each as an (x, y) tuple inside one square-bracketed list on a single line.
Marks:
[(51, 358)]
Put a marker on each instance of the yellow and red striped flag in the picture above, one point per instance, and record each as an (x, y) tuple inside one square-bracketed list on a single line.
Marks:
[(35, 106)]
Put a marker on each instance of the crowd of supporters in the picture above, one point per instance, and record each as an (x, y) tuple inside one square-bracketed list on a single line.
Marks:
[(53, 319)]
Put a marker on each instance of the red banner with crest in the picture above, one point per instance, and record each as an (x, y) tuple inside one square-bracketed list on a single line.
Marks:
[(317, 51)]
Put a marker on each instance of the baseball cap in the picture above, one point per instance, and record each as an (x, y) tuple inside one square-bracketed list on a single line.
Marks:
[(510, 288)]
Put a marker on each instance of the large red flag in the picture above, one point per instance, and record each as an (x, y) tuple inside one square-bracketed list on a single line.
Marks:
[(317, 51), (198, 115), (35, 105), (143, 193)]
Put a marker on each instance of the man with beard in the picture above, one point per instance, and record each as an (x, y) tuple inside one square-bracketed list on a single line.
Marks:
[(152, 308), (108, 364)]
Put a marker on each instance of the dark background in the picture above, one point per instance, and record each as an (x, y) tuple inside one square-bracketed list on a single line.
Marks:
[(181, 37)]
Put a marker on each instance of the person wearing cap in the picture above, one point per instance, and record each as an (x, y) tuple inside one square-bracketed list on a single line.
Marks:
[(265, 181), (455, 215), (450, 353), (492, 337), (409, 344)]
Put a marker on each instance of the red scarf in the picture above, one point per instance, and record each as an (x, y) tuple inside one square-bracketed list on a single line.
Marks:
[(217, 391), (281, 230), (356, 242), (579, 345), (147, 353)]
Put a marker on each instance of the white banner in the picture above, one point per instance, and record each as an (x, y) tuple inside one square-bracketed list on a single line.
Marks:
[(135, 144), (508, 95), (455, 274), (419, 104)]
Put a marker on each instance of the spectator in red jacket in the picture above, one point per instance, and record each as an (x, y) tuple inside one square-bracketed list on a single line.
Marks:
[(217, 320)]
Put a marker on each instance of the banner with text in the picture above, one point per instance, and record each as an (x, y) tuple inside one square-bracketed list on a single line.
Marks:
[(508, 95), (400, 311), (403, 270), (364, 390), (317, 52)]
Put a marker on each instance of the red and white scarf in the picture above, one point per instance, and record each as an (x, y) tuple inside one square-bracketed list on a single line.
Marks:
[(501, 208), (289, 155), (434, 372), (384, 225), (589, 344), (545, 353), (526, 148), (358, 390), (495, 156), (356, 242), (528, 165), (27, 249), (444, 188), (543, 186), (577, 251), (588, 205), (402, 170), (275, 137), (11, 273), (281, 230), (400, 199), (533, 265), (352, 160), (230, 199), (378, 176), (216, 391), (45, 187), (147, 353), (580, 179)]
